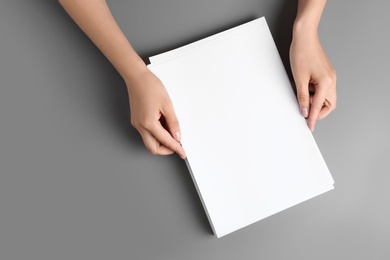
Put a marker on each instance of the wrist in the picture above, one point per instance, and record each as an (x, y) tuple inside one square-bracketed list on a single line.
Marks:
[(133, 71), (308, 17), (305, 28)]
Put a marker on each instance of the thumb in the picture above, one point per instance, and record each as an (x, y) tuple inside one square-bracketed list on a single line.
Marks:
[(172, 123), (303, 97)]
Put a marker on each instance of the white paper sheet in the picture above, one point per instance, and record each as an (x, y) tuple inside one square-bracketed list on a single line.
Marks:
[(249, 151)]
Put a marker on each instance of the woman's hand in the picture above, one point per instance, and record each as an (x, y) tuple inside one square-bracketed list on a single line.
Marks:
[(315, 78), (152, 114), (314, 75)]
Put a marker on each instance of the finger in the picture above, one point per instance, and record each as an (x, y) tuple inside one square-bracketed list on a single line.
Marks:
[(303, 96), (165, 138), (172, 123), (326, 109), (316, 107), (154, 146)]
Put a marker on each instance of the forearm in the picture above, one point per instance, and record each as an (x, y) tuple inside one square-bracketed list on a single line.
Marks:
[(308, 17), (96, 20)]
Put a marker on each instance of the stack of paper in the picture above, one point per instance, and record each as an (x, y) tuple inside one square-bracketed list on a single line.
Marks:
[(249, 151)]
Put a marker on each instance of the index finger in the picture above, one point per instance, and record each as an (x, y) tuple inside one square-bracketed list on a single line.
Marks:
[(315, 108), (165, 138)]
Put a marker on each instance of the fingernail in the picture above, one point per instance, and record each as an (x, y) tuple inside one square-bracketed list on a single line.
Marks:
[(177, 136), (311, 127), (183, 155), (305, 112)]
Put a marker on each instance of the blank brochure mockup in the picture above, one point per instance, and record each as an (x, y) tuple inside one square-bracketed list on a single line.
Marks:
[(249, 151)]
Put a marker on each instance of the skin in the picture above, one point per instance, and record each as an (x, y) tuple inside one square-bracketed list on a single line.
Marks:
[(152, 112), (311, 68)]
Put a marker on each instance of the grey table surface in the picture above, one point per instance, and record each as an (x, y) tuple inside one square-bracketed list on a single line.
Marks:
[(77, 183)]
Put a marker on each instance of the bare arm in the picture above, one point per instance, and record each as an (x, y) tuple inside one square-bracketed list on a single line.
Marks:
[(149, 101), (311, 68)]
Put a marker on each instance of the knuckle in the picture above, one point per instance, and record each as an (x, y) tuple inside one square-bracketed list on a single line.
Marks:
[(334, 73), (175, 126), (145, 124), (303, 97), (133, 123), (328, 80), (153, 150)]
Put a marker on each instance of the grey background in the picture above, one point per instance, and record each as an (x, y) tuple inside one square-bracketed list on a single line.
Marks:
[(77, 183)]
